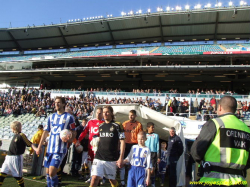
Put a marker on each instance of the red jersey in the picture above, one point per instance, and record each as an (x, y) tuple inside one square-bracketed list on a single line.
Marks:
[(92, 128)]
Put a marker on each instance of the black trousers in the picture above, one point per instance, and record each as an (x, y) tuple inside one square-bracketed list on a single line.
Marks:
[(172, 171), (76, 161)]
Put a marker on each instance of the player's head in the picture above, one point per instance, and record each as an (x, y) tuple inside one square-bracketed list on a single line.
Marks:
[(132, 115), (141, 138), (150, 127), (16, 127), (172, 131), (40, 127), (60, 103), (108, 113), (84, 122), (99, 113), (163, 145), (227, 104)]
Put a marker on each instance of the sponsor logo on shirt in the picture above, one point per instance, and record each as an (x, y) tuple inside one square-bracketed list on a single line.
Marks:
[(94, 130), (112, 128), (106, 134)]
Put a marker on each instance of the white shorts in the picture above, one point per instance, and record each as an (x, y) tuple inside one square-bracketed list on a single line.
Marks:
[(84, 157), (103, 168), (13, 165)]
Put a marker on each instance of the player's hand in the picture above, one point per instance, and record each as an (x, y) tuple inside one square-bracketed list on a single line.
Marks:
[(119, 163), (147, 181), (77, 143), (38, 151), (65, 139), (158, 161)]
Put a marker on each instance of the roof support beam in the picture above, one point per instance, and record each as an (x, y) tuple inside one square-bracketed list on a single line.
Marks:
[(162, 39), (64, 39), (216, 26), (16, 42), (137, 28), (111, 34)]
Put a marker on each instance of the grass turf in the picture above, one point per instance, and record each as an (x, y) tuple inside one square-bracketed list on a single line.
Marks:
[(67, 180)]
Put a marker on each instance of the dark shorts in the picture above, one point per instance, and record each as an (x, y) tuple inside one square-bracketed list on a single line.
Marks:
[(153, 159)]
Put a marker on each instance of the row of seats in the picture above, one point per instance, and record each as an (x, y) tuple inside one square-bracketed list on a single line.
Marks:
[(29, 125), (99, 52)]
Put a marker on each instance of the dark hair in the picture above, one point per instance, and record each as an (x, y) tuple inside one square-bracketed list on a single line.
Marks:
[(111, 110), (133, 112), (149, 124), (228, 103), (163, 143), (40, 126), (62, 99), (172, 128)]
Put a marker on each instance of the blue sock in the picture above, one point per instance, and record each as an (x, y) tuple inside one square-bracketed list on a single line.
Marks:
[(48, 180), (152, 180), (54, 181)]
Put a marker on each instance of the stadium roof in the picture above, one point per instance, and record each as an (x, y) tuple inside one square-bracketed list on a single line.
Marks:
[(203, 24)]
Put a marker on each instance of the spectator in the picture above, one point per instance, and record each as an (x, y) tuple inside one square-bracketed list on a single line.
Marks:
[(37, 137), (195, 105)]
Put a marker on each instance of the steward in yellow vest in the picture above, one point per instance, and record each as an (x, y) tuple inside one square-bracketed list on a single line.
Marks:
[(222, 148)]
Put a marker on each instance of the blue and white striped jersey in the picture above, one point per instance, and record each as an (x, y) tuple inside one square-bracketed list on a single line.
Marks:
[(164, 155), (55, 124), (139, 156)]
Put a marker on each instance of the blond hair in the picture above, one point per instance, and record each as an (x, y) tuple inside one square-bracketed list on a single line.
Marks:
[(16, 126)]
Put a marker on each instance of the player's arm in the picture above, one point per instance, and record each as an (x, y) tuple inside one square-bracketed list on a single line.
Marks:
[(73, 136), (149, 167), (27, 142), (148, 177), (44, 136), (122, 145)]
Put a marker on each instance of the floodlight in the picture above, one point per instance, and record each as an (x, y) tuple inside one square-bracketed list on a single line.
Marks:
[(128, 13), (131, 12), (149, 10), (69, 20), (219, 4), (122, 13), (230, 3), (168, 8), (178, 8), (242, 3), (172, 9), (75, 19), (84, 19), (96, 17), (78, 19), (187, 7), (158, 9), (101, 16), (110, 15), (107, 15), (140, 11), (87, 18), (208, 5), (198, 6)]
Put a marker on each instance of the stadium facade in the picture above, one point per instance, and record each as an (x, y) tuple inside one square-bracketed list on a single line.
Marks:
[(203, 48)]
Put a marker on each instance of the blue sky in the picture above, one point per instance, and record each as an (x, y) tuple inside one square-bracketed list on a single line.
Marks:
[(28, 12)]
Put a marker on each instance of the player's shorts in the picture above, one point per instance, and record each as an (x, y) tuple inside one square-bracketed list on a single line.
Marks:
[(162, 167), (103, 168), (137, 176), (127, 149), (153, 159), (13, 165), (53, 159), (84, 157), (91, 155)]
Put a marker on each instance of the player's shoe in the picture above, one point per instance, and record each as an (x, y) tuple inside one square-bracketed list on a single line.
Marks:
[(103, 182), (88, 181)]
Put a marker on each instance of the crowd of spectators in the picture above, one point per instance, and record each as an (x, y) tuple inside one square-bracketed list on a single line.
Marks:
[(31, 100)]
